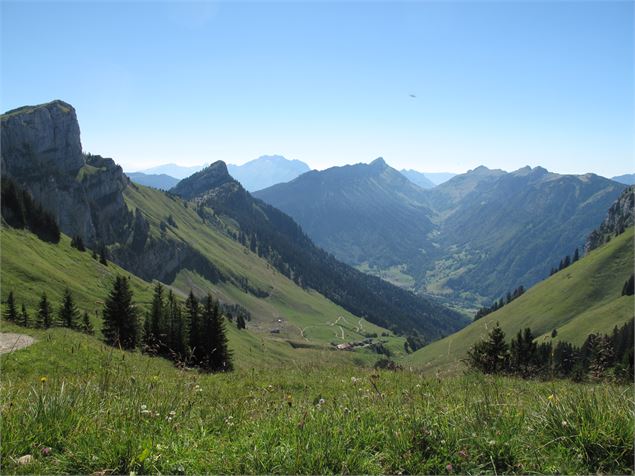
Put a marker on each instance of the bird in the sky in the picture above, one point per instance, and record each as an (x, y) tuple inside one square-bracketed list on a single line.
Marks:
[(412, 96)]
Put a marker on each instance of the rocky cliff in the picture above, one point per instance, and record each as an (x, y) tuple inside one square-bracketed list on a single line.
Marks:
[(41, 150), (620, 216)]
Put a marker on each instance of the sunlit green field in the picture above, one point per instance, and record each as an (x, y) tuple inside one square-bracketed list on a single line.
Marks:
[(100, 409)]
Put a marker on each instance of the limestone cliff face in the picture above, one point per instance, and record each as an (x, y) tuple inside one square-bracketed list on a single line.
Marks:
[(41, 150), (621, 215)]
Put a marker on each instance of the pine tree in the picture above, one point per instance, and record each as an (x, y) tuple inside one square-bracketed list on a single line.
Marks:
[(192, 310), (629, 287), (87, 326), (24, 317), (120, 328), (68, 313), (490, 355), (44, 313), (576, 255), (240, 322), (103, 255), (11, 313), (175, 332), (154, 326), (217, 355)]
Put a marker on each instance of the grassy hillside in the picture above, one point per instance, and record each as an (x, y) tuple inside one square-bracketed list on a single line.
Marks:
[(30, 266), (300, 315), (307, 322), (78, 407), (583, 298)]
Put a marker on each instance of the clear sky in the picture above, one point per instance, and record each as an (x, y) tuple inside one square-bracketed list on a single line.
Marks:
[(504, 84)]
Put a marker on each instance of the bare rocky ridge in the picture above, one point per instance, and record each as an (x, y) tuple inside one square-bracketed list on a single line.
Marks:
[(621, 215), (42, 151)]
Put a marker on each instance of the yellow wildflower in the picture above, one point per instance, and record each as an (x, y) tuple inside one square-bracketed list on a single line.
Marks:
[(43, 379)]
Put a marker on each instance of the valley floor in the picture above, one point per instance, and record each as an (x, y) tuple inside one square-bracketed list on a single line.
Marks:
[(77, 406)]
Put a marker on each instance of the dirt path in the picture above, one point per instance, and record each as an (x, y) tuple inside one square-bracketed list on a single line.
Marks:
[(10, 341)]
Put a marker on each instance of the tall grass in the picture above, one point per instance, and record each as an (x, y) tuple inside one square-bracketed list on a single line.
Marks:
[(128, 415)]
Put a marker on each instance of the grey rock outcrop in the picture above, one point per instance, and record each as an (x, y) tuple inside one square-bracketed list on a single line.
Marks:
[(620, 216), (41, 150)]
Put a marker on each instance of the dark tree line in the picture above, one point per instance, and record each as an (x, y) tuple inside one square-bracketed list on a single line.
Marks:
[(67, 314), (193, 334), (511, 295), (20, 210), (601, 356), (565, 262)]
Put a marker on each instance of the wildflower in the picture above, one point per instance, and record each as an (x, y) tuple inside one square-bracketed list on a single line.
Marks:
[(354, 380), (418, 385), (172, 413), (321, 402), (463, 454), (43, 379), (143, 407), (449, 468), (492, 442), (46, 451), (564, 423), (289, 400), (346, 410), (154, 378)]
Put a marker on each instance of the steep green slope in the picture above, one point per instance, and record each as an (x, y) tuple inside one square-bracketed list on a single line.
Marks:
[(274, 301), (30, 266), (583, 298)]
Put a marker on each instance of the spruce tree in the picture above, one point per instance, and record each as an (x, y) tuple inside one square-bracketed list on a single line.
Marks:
[(217, 355), (103, 255), (576, 255), (155, 325), (87, 326), (24, 317), (194, 320), (176, 329), (629, 287), (44, 313), (120, 328), (490, 355), (11, 313), (240, 322), (68, 313)]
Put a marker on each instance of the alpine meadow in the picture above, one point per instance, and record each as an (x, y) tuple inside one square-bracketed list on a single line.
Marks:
[(317, 238)]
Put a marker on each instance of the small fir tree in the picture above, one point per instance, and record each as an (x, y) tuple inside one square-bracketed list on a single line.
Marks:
[(68, 313), (24, 316), (10, 312), (44, 313), (87, 326), (120, 327)]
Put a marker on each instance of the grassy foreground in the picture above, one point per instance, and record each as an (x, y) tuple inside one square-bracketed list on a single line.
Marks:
[(106, 410)]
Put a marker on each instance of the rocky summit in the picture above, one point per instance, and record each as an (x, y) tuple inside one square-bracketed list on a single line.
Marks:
[(42, 151)]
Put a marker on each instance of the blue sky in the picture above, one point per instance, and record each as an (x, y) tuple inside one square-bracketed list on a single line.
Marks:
[(504, 84)]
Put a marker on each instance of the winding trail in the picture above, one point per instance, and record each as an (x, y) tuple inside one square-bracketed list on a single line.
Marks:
[(10, 341)]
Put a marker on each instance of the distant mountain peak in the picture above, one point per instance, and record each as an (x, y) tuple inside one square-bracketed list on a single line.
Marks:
[(211, 177), (379, 161), (267, 170)]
